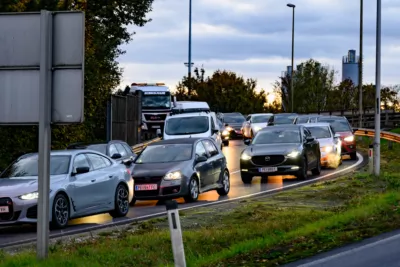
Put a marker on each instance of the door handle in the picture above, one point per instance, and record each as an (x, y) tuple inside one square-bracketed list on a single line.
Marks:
[(94, 180)]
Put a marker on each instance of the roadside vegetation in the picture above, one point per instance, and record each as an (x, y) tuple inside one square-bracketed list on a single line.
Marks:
[(266, 231)]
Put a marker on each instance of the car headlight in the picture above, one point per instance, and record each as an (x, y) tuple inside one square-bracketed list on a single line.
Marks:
[(229, 128), (349, 138), (225, 132), (327, 149), (176, 175), (293, 154), (30, 196), (257, 128), (244, 156)]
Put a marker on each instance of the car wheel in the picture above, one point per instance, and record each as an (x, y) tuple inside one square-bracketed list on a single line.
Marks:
[(246, 178), (226, 184), (60, 212), (302, 174), (226, 142), (353, 155), (317, 170), (121, 206), (193, 193)]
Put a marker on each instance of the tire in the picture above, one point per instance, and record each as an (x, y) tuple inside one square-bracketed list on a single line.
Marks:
[(302, 173), (246, 178), (121, 200), (353, 155), (60, 212), (226, 142), (226, 184), (194, 191), (317, 170), (133, 202)]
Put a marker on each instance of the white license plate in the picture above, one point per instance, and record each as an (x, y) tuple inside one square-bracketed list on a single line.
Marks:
[(143, 187), (4, 209), (268, 169), (155, 126)]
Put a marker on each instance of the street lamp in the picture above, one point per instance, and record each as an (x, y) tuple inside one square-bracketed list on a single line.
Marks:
[(291, 72), (189, 64)]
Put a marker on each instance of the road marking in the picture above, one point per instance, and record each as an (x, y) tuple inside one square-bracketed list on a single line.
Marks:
[(351, 251)]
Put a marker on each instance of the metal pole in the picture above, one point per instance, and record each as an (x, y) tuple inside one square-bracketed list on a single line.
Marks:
[(377, 138), (190, 50), (292, 70), (45, 100), (360, 68)]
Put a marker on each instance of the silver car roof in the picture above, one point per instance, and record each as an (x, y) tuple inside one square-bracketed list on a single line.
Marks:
[(320, 124)]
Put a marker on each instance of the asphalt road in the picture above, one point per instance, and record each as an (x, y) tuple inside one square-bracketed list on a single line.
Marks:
[(14, 235), (380, 251)]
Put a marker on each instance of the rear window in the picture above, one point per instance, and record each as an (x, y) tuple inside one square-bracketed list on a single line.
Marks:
[(338, 125)]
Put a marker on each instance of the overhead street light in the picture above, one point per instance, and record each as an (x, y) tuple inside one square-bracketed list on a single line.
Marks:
[(291, 71), (189, 65), (377, 137)]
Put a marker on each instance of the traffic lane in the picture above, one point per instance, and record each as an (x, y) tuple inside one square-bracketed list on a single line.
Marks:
[(232, 153), (381, 250), (147, 209)]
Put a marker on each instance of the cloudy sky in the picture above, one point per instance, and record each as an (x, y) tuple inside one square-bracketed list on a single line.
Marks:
[(253, 38)]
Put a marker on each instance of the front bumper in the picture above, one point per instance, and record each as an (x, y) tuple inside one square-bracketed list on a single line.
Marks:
[(348, 147), (287, 167), (328, 158), (235, 133), (20, 211), (165, 189)]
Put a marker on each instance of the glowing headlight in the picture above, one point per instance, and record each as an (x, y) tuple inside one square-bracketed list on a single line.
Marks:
[(225, 132), (30, 196), (229, 128), (244, 156), (349, 138), (176, 175), (257, 128), (293, 154), (327, 149)]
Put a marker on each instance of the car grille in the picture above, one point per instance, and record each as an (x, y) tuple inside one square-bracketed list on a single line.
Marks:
[(6, 201), (155, 117), (273, 160), (32, 212), (146, 180)]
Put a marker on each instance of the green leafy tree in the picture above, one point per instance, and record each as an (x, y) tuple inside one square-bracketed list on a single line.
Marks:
[(342, 97), (106, 29), (224, 91)]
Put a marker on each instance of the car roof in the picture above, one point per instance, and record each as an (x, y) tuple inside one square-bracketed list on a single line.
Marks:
[(318, 124), (176, 141), (83, 145), (65, 152), (284, 126), (191, 114), (257, 114), (286, 114), (333, 117)]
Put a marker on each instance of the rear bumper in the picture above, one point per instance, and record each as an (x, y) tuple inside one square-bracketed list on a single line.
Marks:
[(165, 190)]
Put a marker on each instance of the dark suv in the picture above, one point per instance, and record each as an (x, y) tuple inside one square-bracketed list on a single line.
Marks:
[(233, 123)]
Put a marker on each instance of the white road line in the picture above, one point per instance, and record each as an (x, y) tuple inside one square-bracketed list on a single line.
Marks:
[(351, 251), (360, 160)]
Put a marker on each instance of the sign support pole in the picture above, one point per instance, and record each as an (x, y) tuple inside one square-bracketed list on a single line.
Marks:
[(45, 100)]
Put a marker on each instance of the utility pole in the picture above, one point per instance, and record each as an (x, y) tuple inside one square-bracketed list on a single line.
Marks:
[(360, 68), (291, 72), (377, 137)]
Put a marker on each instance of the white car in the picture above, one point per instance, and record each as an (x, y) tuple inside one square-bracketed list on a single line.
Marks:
[(330, 144), (255, 122)]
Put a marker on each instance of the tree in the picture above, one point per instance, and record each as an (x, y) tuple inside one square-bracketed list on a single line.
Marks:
[(342, 97), (224, 91), (105, 31)]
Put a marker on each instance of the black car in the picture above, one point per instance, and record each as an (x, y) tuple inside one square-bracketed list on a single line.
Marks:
[(233, 123), (183, 167), (281, 150), (285, 118)]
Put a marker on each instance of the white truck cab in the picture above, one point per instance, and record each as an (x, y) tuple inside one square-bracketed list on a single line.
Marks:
[(191, 119)]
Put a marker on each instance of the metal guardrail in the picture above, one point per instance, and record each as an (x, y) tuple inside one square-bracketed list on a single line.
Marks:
[(394, 137), (139, 147)]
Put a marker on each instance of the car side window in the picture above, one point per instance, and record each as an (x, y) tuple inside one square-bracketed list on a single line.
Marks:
[(121, 150), (106, 161), (112, 150), (81, 161), (212, 124), (211, 148), (248, 118), (97, 161), (200, 150)]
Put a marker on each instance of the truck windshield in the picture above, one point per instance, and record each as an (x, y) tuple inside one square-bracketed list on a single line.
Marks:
[(187, 125), (156, 101)]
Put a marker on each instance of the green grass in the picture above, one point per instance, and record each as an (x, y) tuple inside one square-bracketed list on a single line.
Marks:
[(267, 231)]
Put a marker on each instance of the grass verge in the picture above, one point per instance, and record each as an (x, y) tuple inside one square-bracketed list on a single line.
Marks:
[(267, 231)]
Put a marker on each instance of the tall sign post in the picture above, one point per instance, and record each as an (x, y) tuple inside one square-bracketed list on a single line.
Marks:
[(42, 83), (377, 137)]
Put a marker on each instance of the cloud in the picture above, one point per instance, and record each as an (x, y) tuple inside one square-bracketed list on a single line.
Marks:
[(253, 38)]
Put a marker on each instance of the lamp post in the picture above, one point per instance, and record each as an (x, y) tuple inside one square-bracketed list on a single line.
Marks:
[(189, 64), (360, 69), (377, 137), (291, 71)]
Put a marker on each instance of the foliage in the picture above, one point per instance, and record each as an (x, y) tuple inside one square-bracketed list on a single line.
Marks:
[(224, 91), (106, 29)]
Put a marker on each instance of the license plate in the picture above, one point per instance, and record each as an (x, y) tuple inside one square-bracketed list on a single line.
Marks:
[(268, 169), (156, 126), (143, 187), (4, 210)]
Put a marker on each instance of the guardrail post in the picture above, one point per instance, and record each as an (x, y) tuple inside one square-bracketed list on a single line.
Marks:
[(390, 145), (176, 233), (371, 159)]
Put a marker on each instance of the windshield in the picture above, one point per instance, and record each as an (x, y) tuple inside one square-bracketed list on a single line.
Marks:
[(277, 136), (234, 119), (187, 125), (165, 153), (28, 166), (156, 101), (261, 118), (284, 119), (102, 148), (302, 119), (320, 131), (338, 125)]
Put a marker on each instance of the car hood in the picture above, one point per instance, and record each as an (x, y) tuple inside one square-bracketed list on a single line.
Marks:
[(16, 186), (344, 134), (271, 149), (261, 125), (157, 169), (236, 126), (325, 142)]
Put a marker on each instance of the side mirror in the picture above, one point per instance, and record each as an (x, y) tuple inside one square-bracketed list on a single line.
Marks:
[(116, 156), (247, 142), (159, 134), (226, 125), (310, 139), (215, 131), (81, 170), (201, 159), (270, 124), (127, 162)]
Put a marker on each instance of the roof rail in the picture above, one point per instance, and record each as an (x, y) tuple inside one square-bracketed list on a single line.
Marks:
[(189, 110), (147, 84)]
